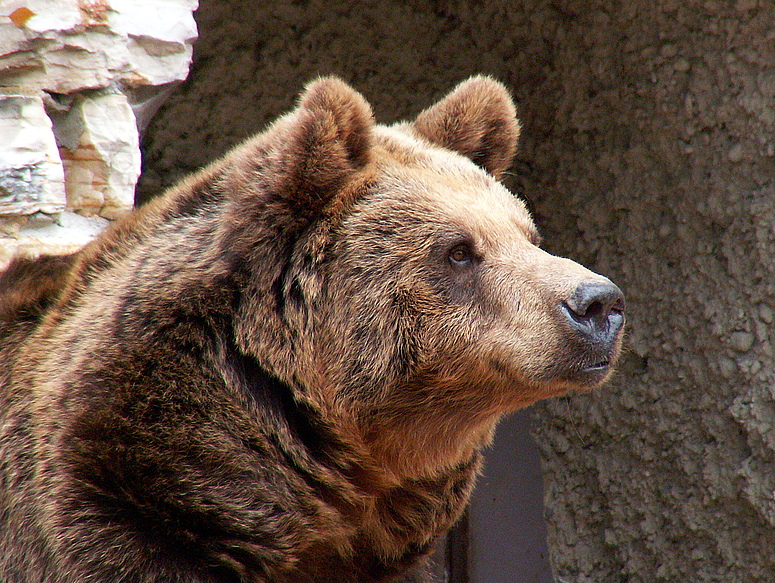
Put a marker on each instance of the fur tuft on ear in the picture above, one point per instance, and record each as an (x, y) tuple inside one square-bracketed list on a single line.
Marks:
[(478, 120), (325, 141), (348, 112)]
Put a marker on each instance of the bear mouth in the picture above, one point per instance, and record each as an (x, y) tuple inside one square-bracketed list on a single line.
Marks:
[(601, 366), (589, 376)]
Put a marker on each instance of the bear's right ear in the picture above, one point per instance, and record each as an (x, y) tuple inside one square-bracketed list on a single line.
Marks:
[(478, 120), (320, 145)]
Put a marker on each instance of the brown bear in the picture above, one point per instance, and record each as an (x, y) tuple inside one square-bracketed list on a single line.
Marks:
[(285, 368)]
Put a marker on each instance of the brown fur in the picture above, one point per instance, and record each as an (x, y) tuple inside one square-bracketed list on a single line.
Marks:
[(278, 371)]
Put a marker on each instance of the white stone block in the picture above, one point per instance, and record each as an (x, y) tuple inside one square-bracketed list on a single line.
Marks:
[(81, 52), (31, 177), (72, 45), (100, 151), (66, 235)]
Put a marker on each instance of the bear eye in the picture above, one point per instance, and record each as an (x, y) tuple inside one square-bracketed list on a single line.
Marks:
[(461, 255)]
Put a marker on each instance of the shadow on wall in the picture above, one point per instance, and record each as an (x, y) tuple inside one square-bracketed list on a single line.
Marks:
[(507, 535), (252, 59)]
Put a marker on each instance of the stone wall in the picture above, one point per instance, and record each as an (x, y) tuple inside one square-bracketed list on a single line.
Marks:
[(649, 155), (78, 80)]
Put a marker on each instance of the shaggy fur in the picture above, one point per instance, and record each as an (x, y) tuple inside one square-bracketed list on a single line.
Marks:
[(285, 368)]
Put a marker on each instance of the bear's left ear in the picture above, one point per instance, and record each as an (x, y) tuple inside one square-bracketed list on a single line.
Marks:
[(321, 144), (478, 120)]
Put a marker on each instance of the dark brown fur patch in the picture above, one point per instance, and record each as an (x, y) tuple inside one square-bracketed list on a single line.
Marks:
[(28, 287)]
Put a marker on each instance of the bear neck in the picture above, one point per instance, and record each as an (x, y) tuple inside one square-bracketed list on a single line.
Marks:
[(425, 447)]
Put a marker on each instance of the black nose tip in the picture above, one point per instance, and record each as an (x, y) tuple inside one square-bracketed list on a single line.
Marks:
[(596, 308), (595, 300)]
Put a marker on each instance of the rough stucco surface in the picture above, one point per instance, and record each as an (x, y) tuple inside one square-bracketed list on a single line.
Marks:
[(648, 155)]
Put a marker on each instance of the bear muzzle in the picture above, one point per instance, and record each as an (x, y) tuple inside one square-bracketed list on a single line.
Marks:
[(595, 313)]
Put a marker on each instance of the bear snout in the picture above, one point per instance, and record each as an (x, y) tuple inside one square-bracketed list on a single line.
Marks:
[(595, 310)]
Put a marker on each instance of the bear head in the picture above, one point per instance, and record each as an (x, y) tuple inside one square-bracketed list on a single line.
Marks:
[(397, 285)]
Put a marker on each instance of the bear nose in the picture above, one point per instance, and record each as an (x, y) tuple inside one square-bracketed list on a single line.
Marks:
[(596, 309)]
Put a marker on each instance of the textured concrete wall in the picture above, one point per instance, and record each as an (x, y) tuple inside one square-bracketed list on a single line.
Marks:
[(664, 145), (649, 155)]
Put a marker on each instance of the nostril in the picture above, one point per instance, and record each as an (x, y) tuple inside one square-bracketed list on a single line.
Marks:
[(595, 300), (594, 310)]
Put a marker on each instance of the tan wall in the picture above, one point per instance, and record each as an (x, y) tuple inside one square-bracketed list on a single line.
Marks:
[(649, 155)]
